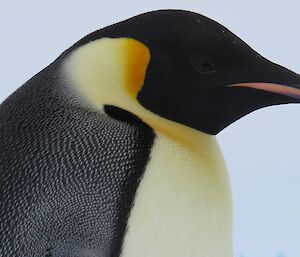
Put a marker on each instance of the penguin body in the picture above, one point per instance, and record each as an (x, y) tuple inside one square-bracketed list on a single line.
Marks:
[(110, 150)]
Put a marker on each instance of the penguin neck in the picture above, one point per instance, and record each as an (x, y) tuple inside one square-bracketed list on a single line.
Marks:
[(101, 73), (183, 203)]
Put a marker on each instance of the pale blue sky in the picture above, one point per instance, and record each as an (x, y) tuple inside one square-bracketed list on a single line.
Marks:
[(262, 150)]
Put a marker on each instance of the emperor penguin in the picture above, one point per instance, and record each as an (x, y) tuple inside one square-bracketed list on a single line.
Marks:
[(110, 151)]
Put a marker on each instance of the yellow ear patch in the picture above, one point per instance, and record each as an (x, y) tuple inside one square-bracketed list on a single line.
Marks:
[(109, 71), (137, 57)]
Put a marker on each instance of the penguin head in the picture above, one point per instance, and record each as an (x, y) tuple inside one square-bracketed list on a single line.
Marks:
[(179, 66)]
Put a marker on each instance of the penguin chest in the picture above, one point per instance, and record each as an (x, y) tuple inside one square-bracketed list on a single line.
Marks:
[(183, 204)]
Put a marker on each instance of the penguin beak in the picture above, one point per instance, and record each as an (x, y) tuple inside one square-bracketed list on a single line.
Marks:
[(273, 78), (290, 91), (259, 85)]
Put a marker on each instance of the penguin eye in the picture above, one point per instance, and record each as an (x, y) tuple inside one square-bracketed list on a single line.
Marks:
[(202, 65)]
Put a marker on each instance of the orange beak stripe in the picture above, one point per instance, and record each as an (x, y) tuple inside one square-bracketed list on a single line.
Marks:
[(270, 87)]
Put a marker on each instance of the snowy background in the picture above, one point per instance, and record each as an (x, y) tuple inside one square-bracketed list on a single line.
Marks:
[(262, 150)]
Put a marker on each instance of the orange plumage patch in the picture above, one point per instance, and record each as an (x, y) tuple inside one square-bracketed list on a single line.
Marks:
[(137, 57)]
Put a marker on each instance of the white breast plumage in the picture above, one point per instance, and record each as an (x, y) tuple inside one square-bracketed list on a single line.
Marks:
[(183, 204)]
